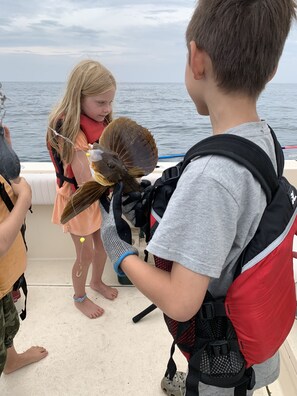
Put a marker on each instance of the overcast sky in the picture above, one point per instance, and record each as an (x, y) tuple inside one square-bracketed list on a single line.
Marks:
[(139, 41)]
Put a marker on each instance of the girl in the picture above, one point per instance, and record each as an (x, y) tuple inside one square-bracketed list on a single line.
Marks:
[(77, 121)]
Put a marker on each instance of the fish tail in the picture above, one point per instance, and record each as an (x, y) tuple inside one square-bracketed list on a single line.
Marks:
[(84, 197)]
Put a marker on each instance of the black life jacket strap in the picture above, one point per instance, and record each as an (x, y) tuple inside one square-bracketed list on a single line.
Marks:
[(171, 365), (241, 150), (246, 153), (5, 197), (59, 167), (21, 282)]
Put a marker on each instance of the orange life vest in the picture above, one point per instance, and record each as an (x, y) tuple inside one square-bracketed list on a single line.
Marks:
[(92, 130)]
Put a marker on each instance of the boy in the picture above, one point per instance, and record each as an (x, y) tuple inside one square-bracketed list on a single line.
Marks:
[(12, 266), (233, 51)]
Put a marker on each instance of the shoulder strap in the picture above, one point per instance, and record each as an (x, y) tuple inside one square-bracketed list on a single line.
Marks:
[(21, 282), (5, 197), (246, 153), (9, 204)]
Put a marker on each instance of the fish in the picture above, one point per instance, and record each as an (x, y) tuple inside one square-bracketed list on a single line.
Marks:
[(10, 166), (126, 151)]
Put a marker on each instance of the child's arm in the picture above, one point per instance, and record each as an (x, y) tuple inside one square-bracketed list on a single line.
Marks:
[(178, 293), (10, 227), (81, 167)]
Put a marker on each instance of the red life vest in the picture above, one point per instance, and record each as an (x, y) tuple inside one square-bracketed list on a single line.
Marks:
[(93, 131), (229, 335)]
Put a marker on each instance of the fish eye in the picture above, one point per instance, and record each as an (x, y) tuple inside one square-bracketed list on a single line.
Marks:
[(110, 165)]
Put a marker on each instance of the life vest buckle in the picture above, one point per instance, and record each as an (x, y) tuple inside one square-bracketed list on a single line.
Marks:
[(207, 311), (170, 174), (220, 347)]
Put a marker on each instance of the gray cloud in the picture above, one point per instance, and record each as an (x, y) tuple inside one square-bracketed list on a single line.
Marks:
[(137, 40)]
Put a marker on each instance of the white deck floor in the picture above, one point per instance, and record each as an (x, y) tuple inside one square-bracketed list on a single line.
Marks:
[(108, 356)]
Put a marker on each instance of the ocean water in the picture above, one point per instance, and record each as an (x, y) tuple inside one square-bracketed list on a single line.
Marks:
[(165, 109)]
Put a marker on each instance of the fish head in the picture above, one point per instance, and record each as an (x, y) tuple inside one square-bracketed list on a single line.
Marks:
[(108, 164)]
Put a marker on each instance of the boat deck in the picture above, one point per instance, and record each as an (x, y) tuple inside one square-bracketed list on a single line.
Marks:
[(107, 356)]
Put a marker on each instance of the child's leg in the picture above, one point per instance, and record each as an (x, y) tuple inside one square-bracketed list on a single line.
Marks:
[(15, 361), (84, 256), (10, 360), (9, 326), (3, 352), (99, 259)]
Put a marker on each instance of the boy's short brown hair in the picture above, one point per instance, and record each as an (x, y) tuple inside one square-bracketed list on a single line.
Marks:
[(244, 39)]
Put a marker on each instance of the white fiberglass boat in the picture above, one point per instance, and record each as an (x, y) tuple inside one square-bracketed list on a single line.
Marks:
[(108, 356)]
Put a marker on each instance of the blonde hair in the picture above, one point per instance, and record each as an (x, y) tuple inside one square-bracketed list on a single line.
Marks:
[(88, 78)]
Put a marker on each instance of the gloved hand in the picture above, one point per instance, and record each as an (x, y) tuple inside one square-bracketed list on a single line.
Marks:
[(135, 205), (115, 231)]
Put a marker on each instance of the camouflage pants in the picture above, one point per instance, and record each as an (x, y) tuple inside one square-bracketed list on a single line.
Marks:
[(9, 326)]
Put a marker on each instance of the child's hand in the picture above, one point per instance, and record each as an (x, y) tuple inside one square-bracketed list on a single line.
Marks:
[(135, 205), (115, 231), (22, 190)]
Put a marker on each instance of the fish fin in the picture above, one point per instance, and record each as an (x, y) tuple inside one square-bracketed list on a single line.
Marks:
[(84, 197), (134, 145)]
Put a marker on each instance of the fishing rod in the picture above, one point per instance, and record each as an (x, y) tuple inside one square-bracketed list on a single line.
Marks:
[(182, 155)]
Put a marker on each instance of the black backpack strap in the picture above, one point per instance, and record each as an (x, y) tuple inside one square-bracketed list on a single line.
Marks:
[(9, 204), (59, 167), (280, 160), (21, 283), (61, 178), (5, 197), (246, 153)]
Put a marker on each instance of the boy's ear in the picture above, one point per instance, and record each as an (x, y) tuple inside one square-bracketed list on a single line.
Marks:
[(197, 60)]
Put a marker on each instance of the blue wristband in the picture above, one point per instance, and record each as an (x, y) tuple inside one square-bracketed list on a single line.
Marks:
[(117, 264)]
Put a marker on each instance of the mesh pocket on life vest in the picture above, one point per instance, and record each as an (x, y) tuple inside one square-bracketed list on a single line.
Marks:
[(216, 353)]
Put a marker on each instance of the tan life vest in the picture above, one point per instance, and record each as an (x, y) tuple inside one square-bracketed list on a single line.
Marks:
[(13, 262)]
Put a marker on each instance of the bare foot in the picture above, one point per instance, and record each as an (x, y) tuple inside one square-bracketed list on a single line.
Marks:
[(108, 292), (90, 309), (32, 355)]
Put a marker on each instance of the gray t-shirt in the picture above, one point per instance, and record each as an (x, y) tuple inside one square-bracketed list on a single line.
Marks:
[(211, 216)]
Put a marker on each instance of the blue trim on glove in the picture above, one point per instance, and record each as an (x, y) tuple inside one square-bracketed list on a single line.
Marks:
[(117, 264)]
